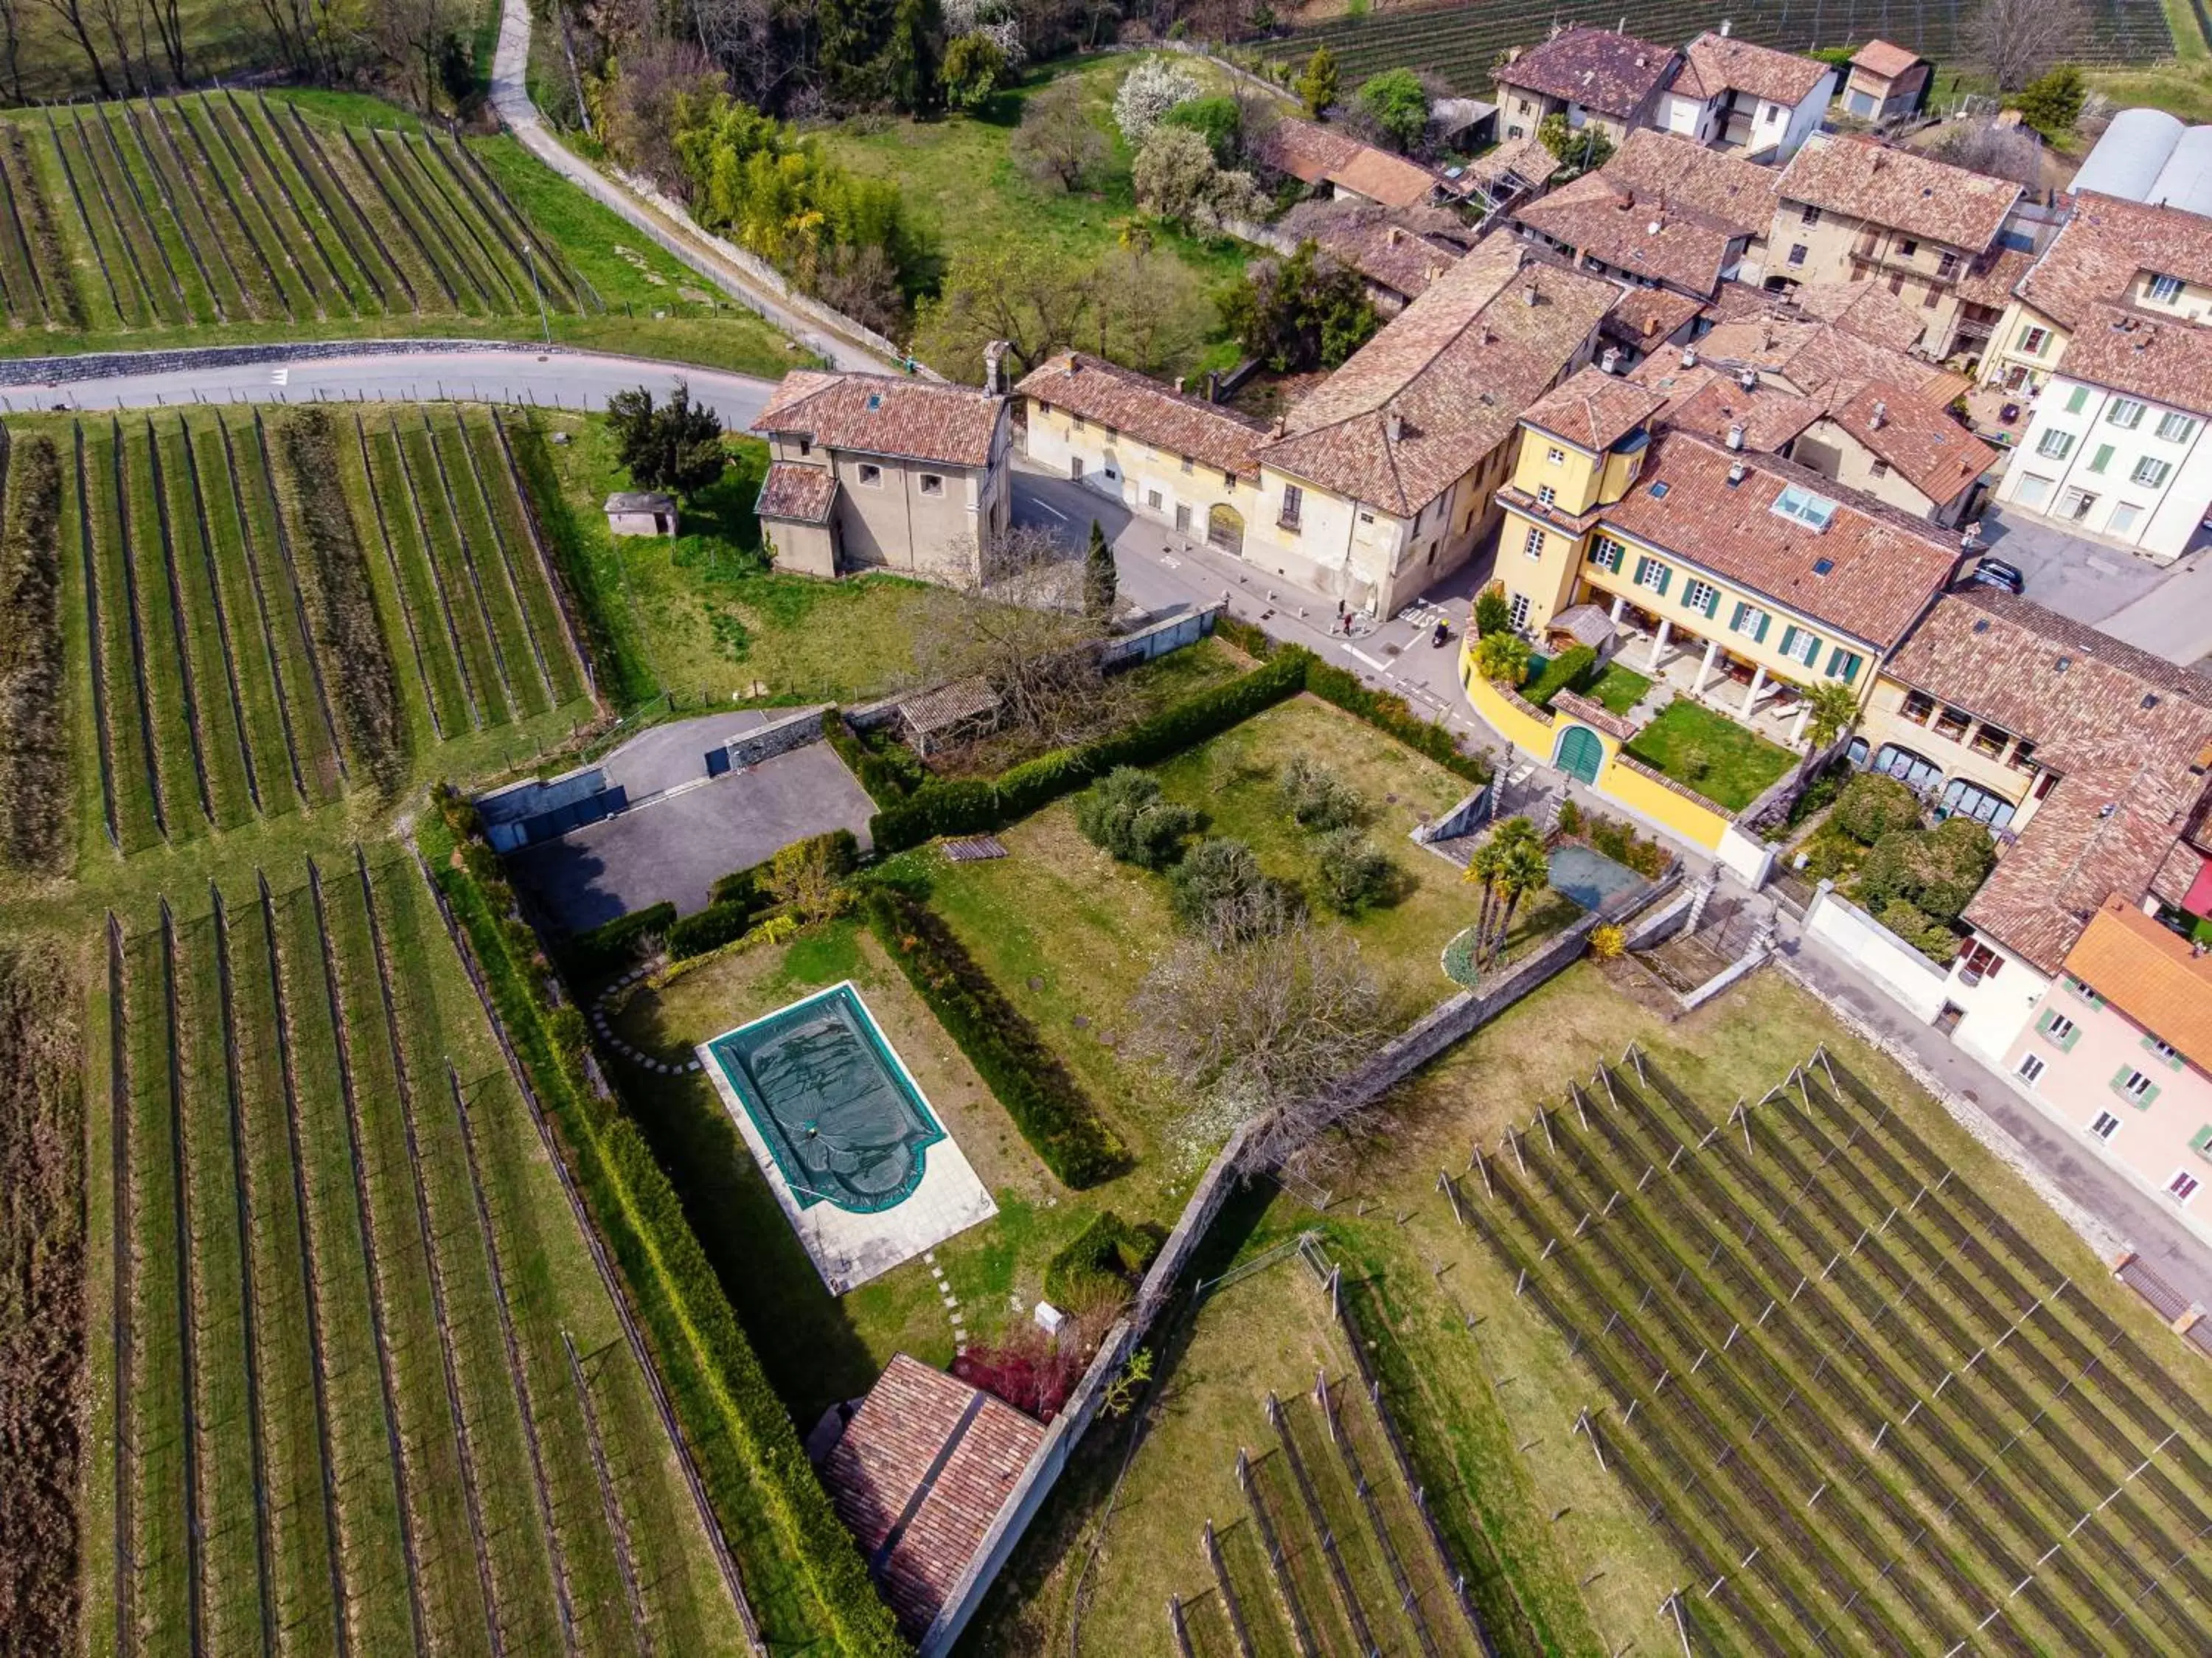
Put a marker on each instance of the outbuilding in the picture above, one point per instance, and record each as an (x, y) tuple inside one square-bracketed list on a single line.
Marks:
[(640, 512)]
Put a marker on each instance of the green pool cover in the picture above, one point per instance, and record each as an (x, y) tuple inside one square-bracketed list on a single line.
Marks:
[(841, 1117)]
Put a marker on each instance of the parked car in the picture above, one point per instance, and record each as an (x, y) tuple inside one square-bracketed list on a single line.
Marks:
[(1995, 573)]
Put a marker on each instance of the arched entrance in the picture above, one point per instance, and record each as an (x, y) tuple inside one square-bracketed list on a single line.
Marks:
[(1579, 753), (1224, 528)]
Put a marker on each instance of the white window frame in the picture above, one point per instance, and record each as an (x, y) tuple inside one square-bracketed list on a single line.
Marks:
[(2183, 1187), (1546, 495), (2125, 412), (2175, 427), (2104, 1125), (1753, 620), (2074, 504), (2152, 472), (2060, 1028), (1517, 612), (2163, 290), (1801, 646), (1652, 578), (932, 482), (1555, 456), (2054, 444), (1533, 543), (1696, 594), (2031, 1066), (871, 475), (2165, 1050), (2137, 1085)]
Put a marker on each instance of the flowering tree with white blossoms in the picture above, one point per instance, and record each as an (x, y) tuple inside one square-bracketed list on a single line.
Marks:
[(1148, 92)]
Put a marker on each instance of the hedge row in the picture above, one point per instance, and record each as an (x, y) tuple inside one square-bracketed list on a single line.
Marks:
[(751, 882), (34, 733), (604, 950), (886, 780), (750, 1452), (711, 928), (1102, 1262), (1391, 715), (1058, 1119), (1571, 670)]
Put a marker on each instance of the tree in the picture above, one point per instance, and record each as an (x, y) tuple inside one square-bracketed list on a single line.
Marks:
[(1578, 149), (1317, 83), (1300, 314), (1350, 871), (1492, 614), (1510, 863), (1219, 892), (1937, 870), (909, 58), (457, 68), (1502, 658), (2017, 40), (1057, 143), (1100, 580), (973, 66), (1831, 708), (1316, 798), (2002, 152), (676, 446), (1398, 104), (1146, 313), (1872, 806), (806, 876), (1219, 120), (1024, 292), (1125, 814), (1148, 92), (1175, 179), (2052, 103)]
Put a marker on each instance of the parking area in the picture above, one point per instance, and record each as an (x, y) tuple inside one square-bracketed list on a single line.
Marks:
[(2077, 577), (677, 845)]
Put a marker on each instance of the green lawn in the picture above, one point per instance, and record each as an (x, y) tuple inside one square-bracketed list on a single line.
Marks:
[(962, 185), (1727, 763), (1618, 689)]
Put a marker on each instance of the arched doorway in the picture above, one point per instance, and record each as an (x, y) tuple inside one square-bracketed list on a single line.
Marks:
[(1579, 753), (1224, 528)]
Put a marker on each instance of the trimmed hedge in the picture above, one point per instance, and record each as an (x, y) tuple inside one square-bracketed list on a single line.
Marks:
[(1103, 1262), (1058, 1119), (711, 928), (751, 883), (1571, 670), (749, 1452), (611, 945), (885, 779)]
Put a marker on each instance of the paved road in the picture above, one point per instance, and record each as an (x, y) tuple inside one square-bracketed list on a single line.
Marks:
[(510, 96), (571, 380), (2174, 619)]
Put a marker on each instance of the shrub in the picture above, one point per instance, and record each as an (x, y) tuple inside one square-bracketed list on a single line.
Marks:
[(1253, 640), (1619, 842), (1100, 1264), (1872, 806), (1147, 93), (1571, 670), (1932, 938), (1123, 813), (1058, 1119), (1352, 871), (1220, 885), (1502, 658), (838, 849), (1027, 1369), (1570, 818), (1316, 797), (711, 928), (879, 771), (1492, 614), (1217, 119), (1937, 870), (613, 946), (1609, 942)]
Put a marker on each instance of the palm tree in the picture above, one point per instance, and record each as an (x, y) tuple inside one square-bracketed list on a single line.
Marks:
[(1831, 708), (1502, 657), (1483, 867), (1523, 869)]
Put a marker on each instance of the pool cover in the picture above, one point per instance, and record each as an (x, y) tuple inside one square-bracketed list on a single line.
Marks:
[(840, 1115)]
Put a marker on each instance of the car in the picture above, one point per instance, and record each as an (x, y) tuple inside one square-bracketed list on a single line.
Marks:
[(1995, 573)]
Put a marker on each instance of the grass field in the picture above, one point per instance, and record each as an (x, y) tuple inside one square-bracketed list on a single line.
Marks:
[(1727, 763), (341, 1279)]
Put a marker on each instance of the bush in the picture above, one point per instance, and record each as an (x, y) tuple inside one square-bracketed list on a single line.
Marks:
[(1123, 813), (1220, 885), (1217, 119), (1619, 842), (1570, 818), (1317, 798), (841, 851), (1609, 942), (1571, 670), (711, 928), (611, 947), (1252, 639), (1872, 806), (1102, 1264), (1492, 614), (1936, 870), (1352, 871), (880, 772), (1502, 658), (1058, 1119), (1932, 938)]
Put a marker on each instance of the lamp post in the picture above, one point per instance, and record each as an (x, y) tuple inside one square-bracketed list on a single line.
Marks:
[(530, 253)]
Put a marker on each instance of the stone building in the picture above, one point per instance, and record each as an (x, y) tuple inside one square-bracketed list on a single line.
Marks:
[(1594, 77)]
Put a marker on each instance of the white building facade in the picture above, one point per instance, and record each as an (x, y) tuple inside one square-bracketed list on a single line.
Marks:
[(2115, 465)]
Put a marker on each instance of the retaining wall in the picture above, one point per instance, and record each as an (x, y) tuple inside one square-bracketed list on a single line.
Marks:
[(1901, 970), (108, 365), (776, 737), (1160, 638)]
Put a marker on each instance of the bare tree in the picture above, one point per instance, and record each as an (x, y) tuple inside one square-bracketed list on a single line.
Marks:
[(169, 24), (75, 23), (1147, 310), (11, 47), (1058, 143), (2002, 152), (410, 35), (1267, 1031), (2017, 40)]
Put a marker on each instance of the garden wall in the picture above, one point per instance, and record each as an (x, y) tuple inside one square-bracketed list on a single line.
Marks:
[(1895, 965), (1157, 640), (537, 809), (776, 737)]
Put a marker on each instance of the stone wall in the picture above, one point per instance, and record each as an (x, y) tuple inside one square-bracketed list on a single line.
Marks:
[(776, 737), (107, 365)]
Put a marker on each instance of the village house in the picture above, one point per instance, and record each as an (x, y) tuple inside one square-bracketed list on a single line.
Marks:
[(1733, 95), (1502, 176), (1398, 252), (879, 471), (1594, 77), (1886, 82), (1854, 209), (1326, 158)]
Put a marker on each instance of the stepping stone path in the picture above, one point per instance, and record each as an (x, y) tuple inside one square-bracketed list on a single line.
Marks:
[(952, 1302), (644, 1061)]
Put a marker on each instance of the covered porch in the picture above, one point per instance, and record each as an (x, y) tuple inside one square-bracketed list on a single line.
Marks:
[(1702, 667)]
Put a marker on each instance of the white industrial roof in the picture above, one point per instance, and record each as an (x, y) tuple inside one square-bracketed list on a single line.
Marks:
[(2147, 156)]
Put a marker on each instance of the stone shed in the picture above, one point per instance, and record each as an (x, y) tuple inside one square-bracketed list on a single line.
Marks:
[(642, 512)]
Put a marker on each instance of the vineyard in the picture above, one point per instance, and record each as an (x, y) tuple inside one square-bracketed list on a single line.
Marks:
[(279, 608), (217, 208), (367, 1394), (1868, 1414), (1464, 43)]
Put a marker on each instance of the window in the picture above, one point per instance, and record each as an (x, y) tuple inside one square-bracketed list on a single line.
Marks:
[(1809, 215), (1927, 299), (2055, 445), (2126, 413), (1989, 740), (1075, 424), (2168, 1055), (1952, 723), (1918, 707), (1607, 553), (1844, 665), (2151, 473), (1187, 465), (2176, 428), (1229, 480), (2183, 1187), (1555, 456), (1293, 504), (1908, 247), (2074, 504), (2077, 399), (871, 475), (2132, 1085), (2122, 520), (2102, 458), (1800, 646), (1797, 250), (2033, 339), (1533, 544), (1946, 264), (1702, 595), (2105, 1126), (2061, 1030), (1546, 495), (1750, 621), (2023, 756), (805, 446), (932, 483), (2087, 995), (2165, 290), (1516, 613), (1152, 499), (1773, 113), (1653, 575), (1881, 469), (1978, 961), (1799, 503), (2033, 491), (2031, 1067)]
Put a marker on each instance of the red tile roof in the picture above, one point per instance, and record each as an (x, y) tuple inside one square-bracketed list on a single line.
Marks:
[(1598, 68), (2094, 259), (1882, 58), (2150, 973), (1128, 402), (1934, 452), (1601, 218), (1815, 358), (1685, 173), (797, 493), (886, 415), (1593, 409), (1646, 317), (2165, 360), (1901, 190), (1864, 310), (1705, 400), (1320, 155), (923, 1469), (1714, 63), (1403, 250)]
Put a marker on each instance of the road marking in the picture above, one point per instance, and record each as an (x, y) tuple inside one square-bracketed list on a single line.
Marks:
[(279, 376), (1171, 561), (1045, 507), (1353, 650)]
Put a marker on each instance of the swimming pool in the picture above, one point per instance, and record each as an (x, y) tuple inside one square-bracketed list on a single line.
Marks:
[(1589, 877), (832, 1102)]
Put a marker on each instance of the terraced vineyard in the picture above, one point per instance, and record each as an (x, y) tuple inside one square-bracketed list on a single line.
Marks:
[(223, 208), (274, 610), (1463, 43), (1869, 1414), (363, 1391)]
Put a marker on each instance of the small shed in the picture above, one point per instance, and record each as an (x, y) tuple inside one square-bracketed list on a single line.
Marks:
[(640, 512), (934, 717)]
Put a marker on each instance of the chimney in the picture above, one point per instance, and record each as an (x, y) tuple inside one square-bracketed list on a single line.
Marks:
[(1736, 475), (1724, 28), (1074, 364), (994, 358), (1282, 425), (1179, 385), (1689, 357), (1610, 362), (1393, 425), (1880, 415), (1748, 380), (1529, 295), (1627, 201), (1736, 442), (1393, 235)]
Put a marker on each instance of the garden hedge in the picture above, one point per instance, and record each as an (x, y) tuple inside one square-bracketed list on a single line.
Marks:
[(1059, 1120), (673, 1285), (1571, 670), (1391, 715), (749, 883), (610, 947), (711, 928), (886, 780), (1104, 1261)]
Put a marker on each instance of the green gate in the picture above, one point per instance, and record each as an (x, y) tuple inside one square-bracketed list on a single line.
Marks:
[(1580, 754)]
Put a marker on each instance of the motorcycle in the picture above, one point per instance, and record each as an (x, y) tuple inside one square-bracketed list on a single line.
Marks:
[(1442, 634)]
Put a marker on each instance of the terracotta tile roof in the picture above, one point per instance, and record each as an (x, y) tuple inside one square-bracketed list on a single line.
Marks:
[(1703, 400), (1646, 316), (1733, 300), (1922, 443), (2105, 242), (1611, 73), (2125, 350), (1593, 409), (1813, 359), (1526, 159), (1381, 177), (887, 415), (1403, 251), (2150, 973), (1732, 190), (1128, 402), (1864, 310), (1601, 218), (1901, 190), (1714, 63), (1452, 372), (2123, 728), (1991, 278), (797, 493), (1880, 57), (919, 1528), (1883, 565), (1317, 154)]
